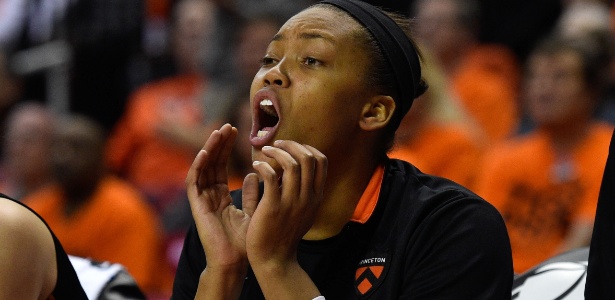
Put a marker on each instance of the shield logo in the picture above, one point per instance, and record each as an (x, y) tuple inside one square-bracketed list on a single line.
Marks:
[(370, 273)]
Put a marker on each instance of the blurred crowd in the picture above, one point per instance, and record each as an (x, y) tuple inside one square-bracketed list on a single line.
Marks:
[(105, 103)]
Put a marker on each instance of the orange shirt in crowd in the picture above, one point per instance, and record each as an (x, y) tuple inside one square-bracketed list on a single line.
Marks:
[(539, 197), (157, 166), (443, 150), (116, 225), (486, 81)]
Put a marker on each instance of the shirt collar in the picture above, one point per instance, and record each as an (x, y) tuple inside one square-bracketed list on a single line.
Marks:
[(369, 199)]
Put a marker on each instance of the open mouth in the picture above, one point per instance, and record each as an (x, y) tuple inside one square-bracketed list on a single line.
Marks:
[(267, 117)]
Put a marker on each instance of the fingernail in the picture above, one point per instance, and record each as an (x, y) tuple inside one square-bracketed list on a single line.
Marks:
[(256, 162), (277, 142), (266, 148)]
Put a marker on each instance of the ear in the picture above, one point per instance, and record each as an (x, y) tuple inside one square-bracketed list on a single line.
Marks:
[(377, 112)]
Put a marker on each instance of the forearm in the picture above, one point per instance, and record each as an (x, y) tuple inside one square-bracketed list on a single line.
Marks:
[(220, 284), (285, 281)]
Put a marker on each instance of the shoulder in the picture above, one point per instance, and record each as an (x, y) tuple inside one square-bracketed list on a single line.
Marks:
[(442, 225), (426, 197), (403, 177), (28, 251), (21, 224)]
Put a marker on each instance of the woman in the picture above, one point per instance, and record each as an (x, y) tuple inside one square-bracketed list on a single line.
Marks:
[(34, 265), (546, 182), (336, 218)]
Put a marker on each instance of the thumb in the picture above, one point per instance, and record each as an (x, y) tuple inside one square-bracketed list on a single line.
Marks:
[(249, 199)]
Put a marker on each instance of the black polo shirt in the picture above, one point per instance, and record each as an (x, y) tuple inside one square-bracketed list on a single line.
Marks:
[(427, 238)]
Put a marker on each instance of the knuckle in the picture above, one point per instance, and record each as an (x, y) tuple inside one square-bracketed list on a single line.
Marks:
[(294, 166), (270, 176), (322, 160), (308, 158)]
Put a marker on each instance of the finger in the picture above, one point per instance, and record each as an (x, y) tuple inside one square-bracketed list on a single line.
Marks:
[(193, 188), (211, 147), (195, 171), (229, 134), (271, 193), (291, 173), (249, 199), (303, 165), (320, 174), (219, 145)]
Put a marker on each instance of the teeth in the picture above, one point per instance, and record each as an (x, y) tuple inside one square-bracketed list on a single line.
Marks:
[(262, 133), (267, 106)]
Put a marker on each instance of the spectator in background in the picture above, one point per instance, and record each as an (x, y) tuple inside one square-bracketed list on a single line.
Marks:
[(592, 17), (580, 17), (10, 90), (147, 146), (436, 135), (226, 99), (251, 40), (25, 165), (96, 215), (230, 14), (483, 77), (223, 93), (546, 183)]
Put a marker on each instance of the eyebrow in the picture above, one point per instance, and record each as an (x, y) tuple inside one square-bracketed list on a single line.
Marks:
[(306, 36)]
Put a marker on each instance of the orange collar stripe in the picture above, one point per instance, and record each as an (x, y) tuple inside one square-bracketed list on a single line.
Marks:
[(369, 199)]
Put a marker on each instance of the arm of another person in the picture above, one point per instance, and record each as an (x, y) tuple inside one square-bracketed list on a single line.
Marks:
[(27, 255)]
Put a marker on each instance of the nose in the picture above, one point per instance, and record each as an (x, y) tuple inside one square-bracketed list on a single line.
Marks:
[(277, 76)]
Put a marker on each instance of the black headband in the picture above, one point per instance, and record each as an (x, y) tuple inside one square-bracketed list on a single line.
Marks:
[(397, 48)]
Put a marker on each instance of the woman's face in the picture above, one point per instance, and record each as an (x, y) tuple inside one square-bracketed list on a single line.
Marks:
[(311, 85), (556, 89)]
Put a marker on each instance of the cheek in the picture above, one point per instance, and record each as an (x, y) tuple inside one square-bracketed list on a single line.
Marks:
[(569, 95)]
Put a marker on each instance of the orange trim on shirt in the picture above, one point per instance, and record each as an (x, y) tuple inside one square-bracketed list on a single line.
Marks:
[(369, 199)]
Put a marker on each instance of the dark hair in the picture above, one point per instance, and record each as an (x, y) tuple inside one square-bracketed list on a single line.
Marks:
[(380, 75)]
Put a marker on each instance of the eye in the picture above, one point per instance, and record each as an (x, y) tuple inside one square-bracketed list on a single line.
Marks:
[(266, 61), (310, 61)]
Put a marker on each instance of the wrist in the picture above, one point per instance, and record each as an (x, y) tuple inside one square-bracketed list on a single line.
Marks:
[(221, 283), (285, 280), (238, 269), (274, 266)]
